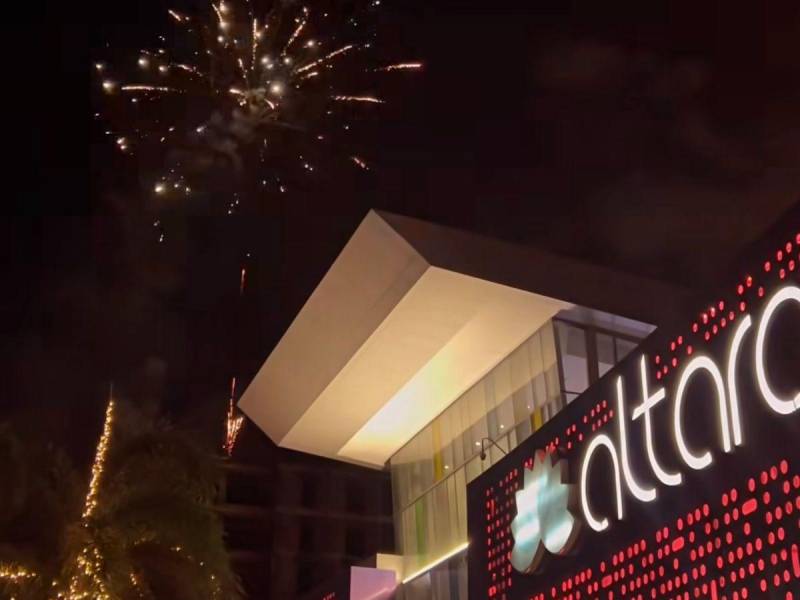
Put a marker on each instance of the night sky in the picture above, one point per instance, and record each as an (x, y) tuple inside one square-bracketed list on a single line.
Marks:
[(655, 137)]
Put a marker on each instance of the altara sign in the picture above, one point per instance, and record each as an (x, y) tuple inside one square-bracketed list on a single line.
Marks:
[(731, 430), (548, 519)]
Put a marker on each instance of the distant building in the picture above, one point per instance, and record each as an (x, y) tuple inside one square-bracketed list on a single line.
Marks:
[(294, 520), (428, 353)]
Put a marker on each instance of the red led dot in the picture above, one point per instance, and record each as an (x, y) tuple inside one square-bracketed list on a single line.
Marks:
[(767, 266), (792, 265), (742, 306), (760, 291), (782, 273), (740, 289), (658, 359), (707, 335), (695, 327), (689, 349), (779, 255)]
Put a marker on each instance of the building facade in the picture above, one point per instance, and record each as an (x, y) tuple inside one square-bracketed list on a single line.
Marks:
[(480, 375), (502, 410), (293, 521)]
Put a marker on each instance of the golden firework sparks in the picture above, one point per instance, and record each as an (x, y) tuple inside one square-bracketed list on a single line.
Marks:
[(216, 94), (408, 66), (368, 99)]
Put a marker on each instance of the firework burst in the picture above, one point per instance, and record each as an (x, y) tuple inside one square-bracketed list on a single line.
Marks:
[(244, 99)]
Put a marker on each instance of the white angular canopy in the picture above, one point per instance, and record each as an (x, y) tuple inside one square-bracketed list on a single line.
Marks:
[(400, 326)]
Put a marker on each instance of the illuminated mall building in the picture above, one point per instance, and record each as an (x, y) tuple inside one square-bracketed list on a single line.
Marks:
[(553, 430)]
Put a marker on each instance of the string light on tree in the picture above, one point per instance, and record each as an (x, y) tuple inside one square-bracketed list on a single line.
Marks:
[(87, 580), (90, 504), (15, 573)]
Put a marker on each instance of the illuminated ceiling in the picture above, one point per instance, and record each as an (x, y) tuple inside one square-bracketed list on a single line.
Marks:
[(403, 323)]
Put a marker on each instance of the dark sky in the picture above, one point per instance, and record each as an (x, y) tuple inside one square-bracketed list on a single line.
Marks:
[(657, 137)]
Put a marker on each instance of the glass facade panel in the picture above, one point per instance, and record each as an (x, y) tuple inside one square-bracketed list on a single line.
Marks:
[(574, 358), (605, 353), (431, 472)]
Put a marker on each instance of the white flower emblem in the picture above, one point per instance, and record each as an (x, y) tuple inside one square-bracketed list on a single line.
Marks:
[(544, 522)]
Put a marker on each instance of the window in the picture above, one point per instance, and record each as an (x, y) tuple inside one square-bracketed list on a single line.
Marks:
[(605, 353), (574, 359), (309, 493), (586, 354), (307, 576), (355, 543), (355, 497), (306, 538)]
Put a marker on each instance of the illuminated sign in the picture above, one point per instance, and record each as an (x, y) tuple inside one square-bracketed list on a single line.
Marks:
[(544, 520), (680, 467), (725, 389)]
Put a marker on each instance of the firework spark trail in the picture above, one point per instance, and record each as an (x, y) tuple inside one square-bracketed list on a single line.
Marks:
[(360, 162), (177, 16), (410, 66), (296, 33), (326, 58), (188, 68), (368, 99), (254, 44), (220, 19), (233, 422), (240, 62), (149, 88)]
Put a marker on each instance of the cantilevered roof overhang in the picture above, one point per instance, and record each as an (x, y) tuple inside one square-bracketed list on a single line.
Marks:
[(409, 316)]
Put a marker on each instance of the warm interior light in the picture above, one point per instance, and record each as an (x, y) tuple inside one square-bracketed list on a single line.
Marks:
[(438, 561)]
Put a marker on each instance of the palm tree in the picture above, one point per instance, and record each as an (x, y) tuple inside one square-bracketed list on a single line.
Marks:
[(41, 491), (151, 532)]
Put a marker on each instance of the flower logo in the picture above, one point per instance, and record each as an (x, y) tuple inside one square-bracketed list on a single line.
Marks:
[(544, 522)]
